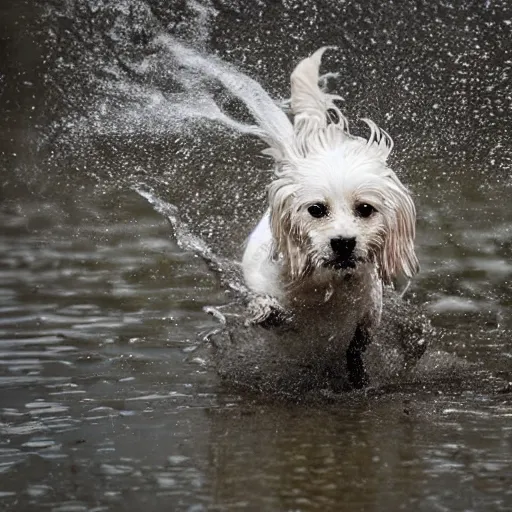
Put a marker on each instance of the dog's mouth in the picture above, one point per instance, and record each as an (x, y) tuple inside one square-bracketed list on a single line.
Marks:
[(341, 263)]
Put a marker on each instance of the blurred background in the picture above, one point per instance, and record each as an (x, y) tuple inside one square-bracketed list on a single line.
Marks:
[(103, 405)]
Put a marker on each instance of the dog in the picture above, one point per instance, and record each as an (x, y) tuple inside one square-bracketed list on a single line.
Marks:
[(339, 227)]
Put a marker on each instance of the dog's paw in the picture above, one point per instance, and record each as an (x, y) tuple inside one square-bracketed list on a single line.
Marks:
[(265, 311)]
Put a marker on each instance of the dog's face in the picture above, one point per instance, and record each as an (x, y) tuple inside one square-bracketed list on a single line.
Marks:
[(341, 208)]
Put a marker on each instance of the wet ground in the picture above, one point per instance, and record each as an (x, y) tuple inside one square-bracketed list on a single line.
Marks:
[(105, 400)]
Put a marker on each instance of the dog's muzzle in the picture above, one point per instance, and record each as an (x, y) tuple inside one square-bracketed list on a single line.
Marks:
[(343, 257)]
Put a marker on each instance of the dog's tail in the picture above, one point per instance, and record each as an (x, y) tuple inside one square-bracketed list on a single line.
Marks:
[(308, 100), (317, 120)]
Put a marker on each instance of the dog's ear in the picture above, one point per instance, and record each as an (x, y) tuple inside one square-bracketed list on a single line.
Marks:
[(397, 255), (286, 235)]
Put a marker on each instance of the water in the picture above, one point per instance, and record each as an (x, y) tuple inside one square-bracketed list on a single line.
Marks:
[(106, 401)]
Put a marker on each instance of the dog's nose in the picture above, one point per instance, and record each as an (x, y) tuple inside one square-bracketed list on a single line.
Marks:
[(343, 247)]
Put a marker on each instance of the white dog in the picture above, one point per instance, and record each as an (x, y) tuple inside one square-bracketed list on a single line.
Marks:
[(340, 224)]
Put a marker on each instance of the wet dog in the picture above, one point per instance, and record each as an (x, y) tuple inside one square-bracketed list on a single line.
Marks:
[(339, 226)]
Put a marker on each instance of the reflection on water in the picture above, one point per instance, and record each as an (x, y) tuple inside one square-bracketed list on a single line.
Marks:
[(105, 402)]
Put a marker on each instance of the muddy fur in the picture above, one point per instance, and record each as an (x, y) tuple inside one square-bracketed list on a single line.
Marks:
[(276, 360)]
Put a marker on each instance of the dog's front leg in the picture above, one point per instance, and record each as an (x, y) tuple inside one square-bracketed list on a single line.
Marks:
[(266, 311), (357, 375), (363, 336)]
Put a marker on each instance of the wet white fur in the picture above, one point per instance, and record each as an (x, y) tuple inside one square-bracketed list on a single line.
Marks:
[(321, 162)]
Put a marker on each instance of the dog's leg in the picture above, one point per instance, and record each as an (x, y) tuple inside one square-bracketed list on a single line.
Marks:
[(266, 311), (355, 365)]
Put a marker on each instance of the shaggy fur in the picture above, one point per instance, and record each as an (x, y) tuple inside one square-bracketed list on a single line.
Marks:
[(339, 226)]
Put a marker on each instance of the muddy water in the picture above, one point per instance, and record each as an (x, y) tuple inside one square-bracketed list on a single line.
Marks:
[(105, 400)]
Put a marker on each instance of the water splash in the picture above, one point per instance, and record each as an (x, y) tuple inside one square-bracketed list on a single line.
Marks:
[(227, 270), (125, 103)]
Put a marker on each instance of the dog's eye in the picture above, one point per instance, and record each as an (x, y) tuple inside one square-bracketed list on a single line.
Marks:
[(365, 210), (318, 210)]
